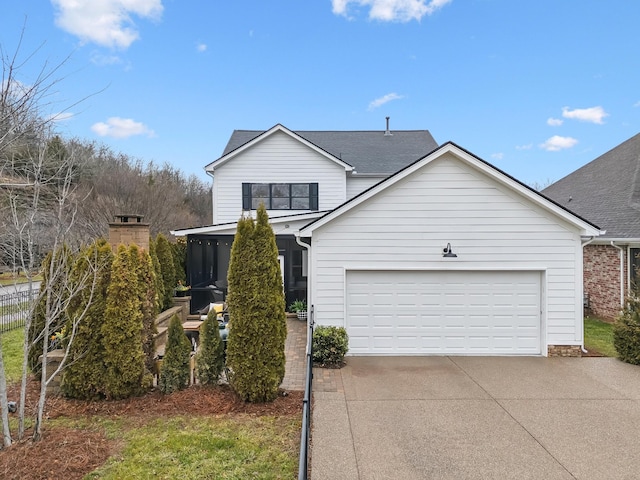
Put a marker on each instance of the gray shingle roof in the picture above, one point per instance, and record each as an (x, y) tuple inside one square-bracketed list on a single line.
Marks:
[(367, 151), (606, 191)]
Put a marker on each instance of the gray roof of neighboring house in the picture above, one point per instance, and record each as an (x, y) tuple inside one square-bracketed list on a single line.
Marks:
[(605, 191), (367, 151)]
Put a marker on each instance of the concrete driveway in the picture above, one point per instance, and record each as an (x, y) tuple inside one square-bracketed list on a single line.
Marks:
[(476, 418)]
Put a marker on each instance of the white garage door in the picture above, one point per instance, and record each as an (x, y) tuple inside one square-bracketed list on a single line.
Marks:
[(449, 313)]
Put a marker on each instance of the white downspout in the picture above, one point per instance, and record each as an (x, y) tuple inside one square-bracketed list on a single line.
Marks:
[(584, 244), (309, 271), (621, 250), (213, 203)]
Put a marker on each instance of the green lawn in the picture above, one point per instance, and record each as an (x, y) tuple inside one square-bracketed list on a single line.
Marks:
[(10, 279), (12, 353), (598, 337), (207, 447), (182, 446)]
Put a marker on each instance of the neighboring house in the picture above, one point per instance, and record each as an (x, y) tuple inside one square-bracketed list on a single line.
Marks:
[(607, 191), (447, 255)]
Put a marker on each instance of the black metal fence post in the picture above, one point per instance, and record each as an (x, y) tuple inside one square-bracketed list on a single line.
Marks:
[(303, 466)]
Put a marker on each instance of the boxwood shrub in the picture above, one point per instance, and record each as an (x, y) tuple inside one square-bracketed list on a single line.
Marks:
[(330, 344)]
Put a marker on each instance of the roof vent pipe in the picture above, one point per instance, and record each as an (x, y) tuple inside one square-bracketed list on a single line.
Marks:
[(387, 131)]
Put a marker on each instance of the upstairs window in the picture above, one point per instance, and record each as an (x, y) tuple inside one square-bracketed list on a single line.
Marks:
[(280, 196)]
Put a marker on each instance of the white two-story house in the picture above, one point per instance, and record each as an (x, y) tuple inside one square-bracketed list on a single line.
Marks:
[(299, 176), (414, 248)]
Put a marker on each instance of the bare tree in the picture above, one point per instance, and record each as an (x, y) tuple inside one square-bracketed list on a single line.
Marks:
[(46, 203), (54, 194), (22, 104), (37, 201), (540, 185)]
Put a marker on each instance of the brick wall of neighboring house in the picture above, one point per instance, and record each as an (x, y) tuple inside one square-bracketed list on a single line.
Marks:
[(602, 280)]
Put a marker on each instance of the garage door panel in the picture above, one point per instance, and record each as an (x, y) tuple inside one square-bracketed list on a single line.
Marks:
[(476, 313)]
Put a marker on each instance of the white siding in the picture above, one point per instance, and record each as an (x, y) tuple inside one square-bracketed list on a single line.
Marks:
[(489, 226), (276, 159), (356, 185)]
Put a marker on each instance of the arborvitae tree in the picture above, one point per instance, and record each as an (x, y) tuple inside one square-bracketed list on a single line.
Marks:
[(167, 266), (210, 357), (57, 293), (270, 304), (149, 307), (157, 270), (84, 376), (122, 331), (626, 332), (37, 325), (255, 348), (174, 372), (179, 251), (240, 275)]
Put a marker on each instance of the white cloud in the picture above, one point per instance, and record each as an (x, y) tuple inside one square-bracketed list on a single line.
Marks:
[(61, 117), (385, 99), (117, 127), (201, 47), (392, 10), (105, 22), (104, 60), (555, 122), (557, 143), (637, 104), (497, 156), (528, 146), (593, 114)]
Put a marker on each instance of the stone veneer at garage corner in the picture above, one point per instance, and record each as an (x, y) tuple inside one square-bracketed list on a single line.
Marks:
[(564, 351)]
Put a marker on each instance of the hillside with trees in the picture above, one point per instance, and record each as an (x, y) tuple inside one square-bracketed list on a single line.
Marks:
[(104, 183)]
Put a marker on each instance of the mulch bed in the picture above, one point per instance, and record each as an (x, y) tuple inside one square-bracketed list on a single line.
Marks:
[(70, 453)]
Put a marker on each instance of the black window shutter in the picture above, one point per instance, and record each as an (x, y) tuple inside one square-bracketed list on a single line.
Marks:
[(246, 196), (313, 196)]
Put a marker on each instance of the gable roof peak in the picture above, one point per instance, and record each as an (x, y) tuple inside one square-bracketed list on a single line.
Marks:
[(367, 151)]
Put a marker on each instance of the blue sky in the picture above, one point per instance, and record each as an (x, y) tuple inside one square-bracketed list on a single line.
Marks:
[(538, 88)]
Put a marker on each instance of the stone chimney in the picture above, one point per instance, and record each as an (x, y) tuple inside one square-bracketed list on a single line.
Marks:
[(128, 229)]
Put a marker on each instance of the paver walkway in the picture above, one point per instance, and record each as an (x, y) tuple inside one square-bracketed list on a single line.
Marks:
[(324, 379), (295, 349)]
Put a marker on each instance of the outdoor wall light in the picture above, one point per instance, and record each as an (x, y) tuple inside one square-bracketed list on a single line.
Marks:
[(447, 253)]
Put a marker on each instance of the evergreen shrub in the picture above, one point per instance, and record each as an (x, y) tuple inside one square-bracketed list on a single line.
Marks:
[(84, 376), (54, 287), (329, 345), (174, 372), (167, 267), (255, 347), (626, 333), (210, 356), (122, 328)]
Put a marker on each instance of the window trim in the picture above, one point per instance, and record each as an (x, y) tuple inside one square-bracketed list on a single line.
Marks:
[(313, 195)]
